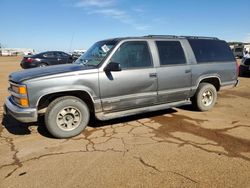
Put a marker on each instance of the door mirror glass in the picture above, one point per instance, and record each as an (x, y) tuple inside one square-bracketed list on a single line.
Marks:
[(112, 66)]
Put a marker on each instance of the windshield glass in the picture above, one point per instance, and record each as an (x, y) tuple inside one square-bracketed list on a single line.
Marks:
[(96, 53)]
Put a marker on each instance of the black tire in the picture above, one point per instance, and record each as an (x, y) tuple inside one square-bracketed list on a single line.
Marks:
[(42, 65), (66, 117), (205, 97)]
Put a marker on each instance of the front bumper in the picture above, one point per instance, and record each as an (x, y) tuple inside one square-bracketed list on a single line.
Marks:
[(25, 115)]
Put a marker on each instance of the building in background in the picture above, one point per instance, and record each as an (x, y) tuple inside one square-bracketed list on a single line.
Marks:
[(247, 47), (16, 51)]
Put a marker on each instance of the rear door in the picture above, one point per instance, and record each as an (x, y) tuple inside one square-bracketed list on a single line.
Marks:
[(135, 85), (174, 74), (50, 58)]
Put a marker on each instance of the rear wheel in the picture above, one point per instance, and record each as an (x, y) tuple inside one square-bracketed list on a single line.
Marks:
[(66, 117), (205, 97)]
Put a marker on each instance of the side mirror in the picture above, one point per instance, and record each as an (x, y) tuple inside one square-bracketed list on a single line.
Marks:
[(112, 66)]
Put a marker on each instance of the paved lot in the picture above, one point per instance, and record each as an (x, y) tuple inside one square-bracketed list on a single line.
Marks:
[(178, 147)]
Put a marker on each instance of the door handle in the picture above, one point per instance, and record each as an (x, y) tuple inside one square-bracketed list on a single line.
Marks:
[(152, 75), (187, 70)]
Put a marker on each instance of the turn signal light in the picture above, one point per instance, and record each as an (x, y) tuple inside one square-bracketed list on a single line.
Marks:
[(22, 90), (24, 102)]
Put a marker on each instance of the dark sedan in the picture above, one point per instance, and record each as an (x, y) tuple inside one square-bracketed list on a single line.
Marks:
[(245, 66), (45, 59)]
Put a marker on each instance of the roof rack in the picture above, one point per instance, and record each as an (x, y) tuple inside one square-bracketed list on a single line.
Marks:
[(162, 36), (200, 37), (187, 37)]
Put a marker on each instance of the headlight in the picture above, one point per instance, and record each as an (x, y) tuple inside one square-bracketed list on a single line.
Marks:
[(19, 94), (19, 89)]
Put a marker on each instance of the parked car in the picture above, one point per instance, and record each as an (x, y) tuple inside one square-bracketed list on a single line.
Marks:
[(121, 77), (245, 66), (238, 52), (45, 59), (77, 53)]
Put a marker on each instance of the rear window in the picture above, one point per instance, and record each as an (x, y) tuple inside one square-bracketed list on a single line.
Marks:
[(238, 50), (206, 50), (48, 55)]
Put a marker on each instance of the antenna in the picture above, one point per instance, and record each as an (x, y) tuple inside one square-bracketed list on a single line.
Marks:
[(70, 44)]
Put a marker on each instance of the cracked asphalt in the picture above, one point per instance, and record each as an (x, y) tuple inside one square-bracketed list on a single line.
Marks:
[(178, 147)]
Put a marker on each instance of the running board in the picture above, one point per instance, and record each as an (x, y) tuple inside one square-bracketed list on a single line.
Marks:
[(107, 116)]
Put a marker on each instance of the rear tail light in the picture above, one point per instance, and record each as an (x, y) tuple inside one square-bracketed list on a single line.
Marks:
[(29, 60)]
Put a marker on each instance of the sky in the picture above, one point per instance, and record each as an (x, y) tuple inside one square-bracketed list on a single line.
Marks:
[(76, 24)]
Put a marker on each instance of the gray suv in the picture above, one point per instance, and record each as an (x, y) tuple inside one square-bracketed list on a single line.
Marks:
[(121, 77)]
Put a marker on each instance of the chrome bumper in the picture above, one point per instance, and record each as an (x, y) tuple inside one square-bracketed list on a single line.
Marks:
[(24, 115)]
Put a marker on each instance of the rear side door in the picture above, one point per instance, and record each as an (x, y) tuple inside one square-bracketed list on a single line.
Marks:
[(174, 73), (49, 58), (135, 85)]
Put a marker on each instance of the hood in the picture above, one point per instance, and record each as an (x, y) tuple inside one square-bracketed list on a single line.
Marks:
[(27, 74)]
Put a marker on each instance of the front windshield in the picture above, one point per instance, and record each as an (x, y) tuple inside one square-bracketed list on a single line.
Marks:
[(96, 53)]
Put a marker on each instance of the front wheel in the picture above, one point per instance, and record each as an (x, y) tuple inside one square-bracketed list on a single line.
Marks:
[(66, 117), (205, 97)]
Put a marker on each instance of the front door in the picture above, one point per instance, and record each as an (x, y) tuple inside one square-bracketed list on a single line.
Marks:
[(135, 85)]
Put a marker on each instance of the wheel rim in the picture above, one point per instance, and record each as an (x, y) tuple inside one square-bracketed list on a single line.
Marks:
[(207, 98), (42, 65), (69, 118)]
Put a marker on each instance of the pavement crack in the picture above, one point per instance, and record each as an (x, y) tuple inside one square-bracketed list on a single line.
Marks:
[(183, 176), (17, 161), (146, 164), (53, 154)]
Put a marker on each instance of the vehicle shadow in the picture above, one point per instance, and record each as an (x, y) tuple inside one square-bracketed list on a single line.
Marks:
[(188, 107), (17, 128)]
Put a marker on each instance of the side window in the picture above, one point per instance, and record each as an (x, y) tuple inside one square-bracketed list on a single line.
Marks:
[(207, 50), (170, 52), (134, 54), (64, 55), (49, 55), (58, 54), (61, 55)]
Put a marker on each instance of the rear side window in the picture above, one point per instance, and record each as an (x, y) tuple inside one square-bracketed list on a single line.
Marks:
[(61, 54), (170, 52), (48, 55), (206, 50)]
